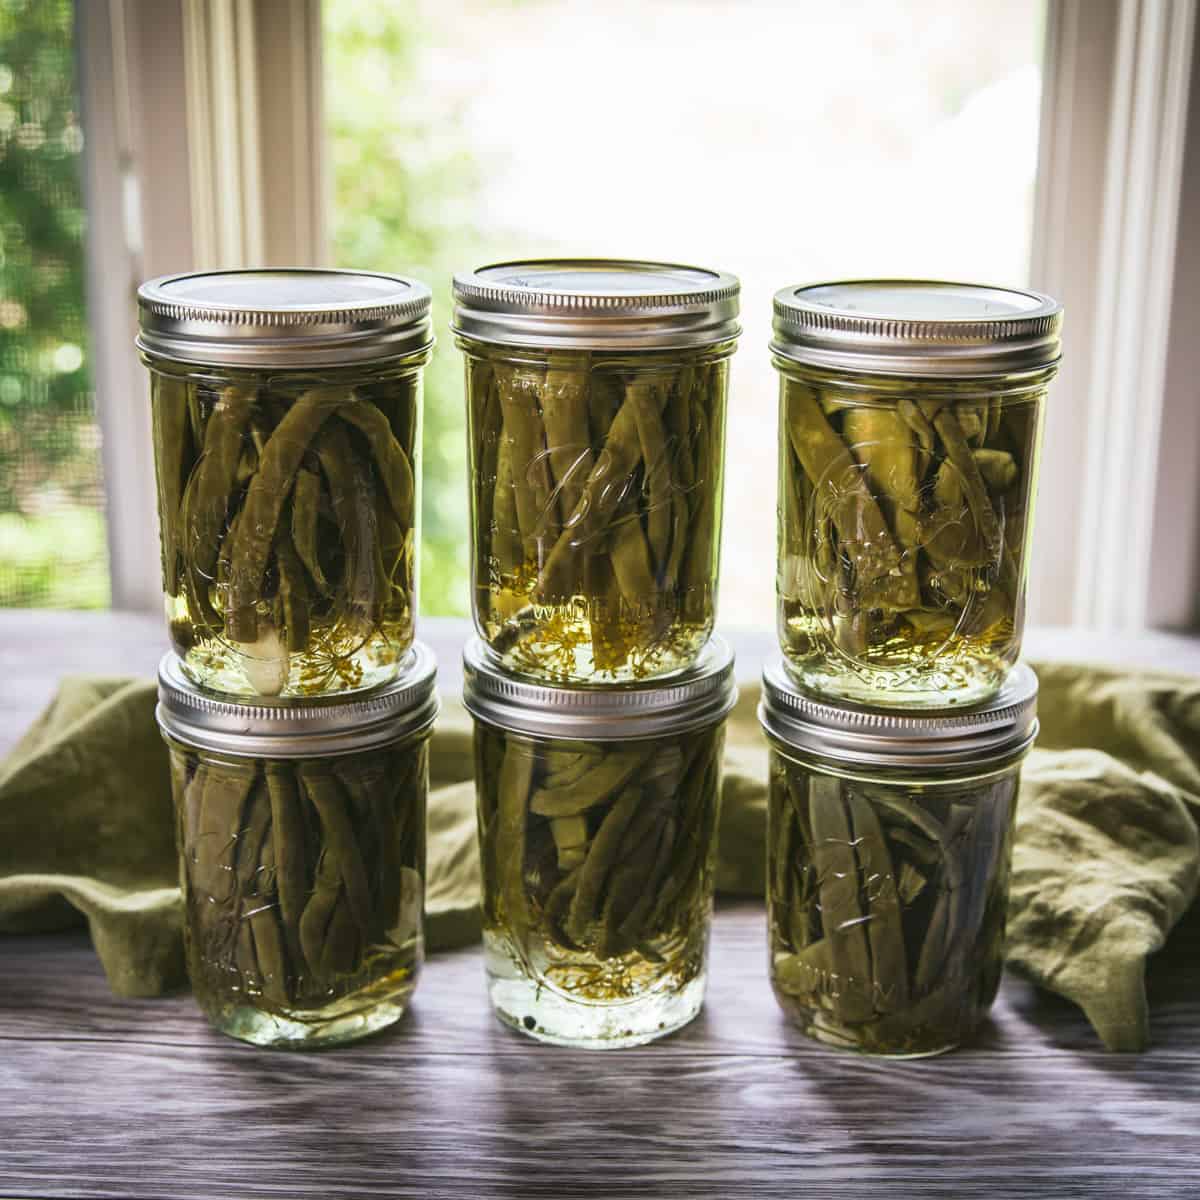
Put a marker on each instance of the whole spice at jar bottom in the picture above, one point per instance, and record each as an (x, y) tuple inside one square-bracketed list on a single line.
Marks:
[(596, 509), (904, 523), (597, 857), (302, 878), (287, 508), (886, 906)]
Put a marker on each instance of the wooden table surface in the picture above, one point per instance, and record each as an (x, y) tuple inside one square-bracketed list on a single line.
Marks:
[(103, 1097)]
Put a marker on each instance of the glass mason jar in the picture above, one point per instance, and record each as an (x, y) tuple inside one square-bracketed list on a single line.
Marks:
[(910, 427), (287, 413), (597, 831), (596, 422), (301, 837), (888, 848)]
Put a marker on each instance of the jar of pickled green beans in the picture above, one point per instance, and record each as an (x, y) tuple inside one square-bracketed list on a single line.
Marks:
[(597, 832), (301, 837), (287, 412), (888, 847), (910, 426), (596, 422)]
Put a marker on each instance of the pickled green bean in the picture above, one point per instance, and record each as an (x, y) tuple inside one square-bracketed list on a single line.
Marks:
[(565, 412), (395, 471), (172, 436), (533, 493), (903, 877), (306, 503), (294, 879), (341, 842), (645, 396), (268, 460), (903, 528), (599, 857), (595, 544), (267, 493)]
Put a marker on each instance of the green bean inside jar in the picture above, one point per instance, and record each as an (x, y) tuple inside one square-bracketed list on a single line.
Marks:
[(286, 419), (596, 409), (597, 831), (910, 426), (888, 848), (301, 838)]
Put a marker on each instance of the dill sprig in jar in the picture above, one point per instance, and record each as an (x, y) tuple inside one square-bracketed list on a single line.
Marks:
[(596, 423), (889, 838), (597, 829), (287, 429), (301, 838), (910, 425)]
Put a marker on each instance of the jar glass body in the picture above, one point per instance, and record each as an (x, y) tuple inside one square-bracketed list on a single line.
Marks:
[(289, 505), (598, 862), (905, 517), (303, 889), (596, 507), (886, 901)]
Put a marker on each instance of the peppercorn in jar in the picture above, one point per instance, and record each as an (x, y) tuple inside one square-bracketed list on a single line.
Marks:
[(597, 829), (301, 838), (287, 413), (596, 424), (910, 426), (889, 838)]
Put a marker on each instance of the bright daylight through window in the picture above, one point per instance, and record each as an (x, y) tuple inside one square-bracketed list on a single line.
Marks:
[(779, 141)]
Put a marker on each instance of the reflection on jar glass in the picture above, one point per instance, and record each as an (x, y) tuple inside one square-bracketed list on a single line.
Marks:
[(907, 475), (888, 848), (596, 407), (287, 457), (597, 846), (301, 836)]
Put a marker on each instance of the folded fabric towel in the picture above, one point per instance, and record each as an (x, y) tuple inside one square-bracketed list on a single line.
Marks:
[(1107, 854)]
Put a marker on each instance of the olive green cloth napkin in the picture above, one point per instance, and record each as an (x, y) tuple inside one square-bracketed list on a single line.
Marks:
[(1106, 861)]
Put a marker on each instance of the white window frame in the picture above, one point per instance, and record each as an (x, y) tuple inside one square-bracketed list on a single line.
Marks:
[(203, 139), (1116, 237), (1118, 525)]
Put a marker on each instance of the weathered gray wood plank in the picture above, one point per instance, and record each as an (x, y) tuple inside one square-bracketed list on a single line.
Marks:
[(451, 1014), (102, 1097)]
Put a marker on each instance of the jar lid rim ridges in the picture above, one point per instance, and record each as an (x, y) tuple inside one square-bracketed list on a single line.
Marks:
[(701, 695), (298, 726), (844, 324), (565, 302), (286, 317), (855, 734)]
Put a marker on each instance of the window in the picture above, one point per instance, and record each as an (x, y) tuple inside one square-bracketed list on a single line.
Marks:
[(52, 537), (780, 141)]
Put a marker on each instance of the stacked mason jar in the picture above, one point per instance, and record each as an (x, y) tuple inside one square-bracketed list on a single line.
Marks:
[(596, 395), (910, 424), (296, 705)]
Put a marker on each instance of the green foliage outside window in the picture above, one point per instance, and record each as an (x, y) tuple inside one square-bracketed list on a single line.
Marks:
[(405, 190), (52, 540)]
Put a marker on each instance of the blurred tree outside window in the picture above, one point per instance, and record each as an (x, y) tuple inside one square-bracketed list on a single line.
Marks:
[(406, 189), (53, 549), (783, 141)]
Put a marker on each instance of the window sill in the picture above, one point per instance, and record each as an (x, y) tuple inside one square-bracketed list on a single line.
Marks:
[(38, 646)]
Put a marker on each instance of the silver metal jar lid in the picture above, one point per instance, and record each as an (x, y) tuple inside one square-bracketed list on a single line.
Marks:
[(917, 327), (283, 318), (854, 735), (298, 727), (699, 696), (596, 304)]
